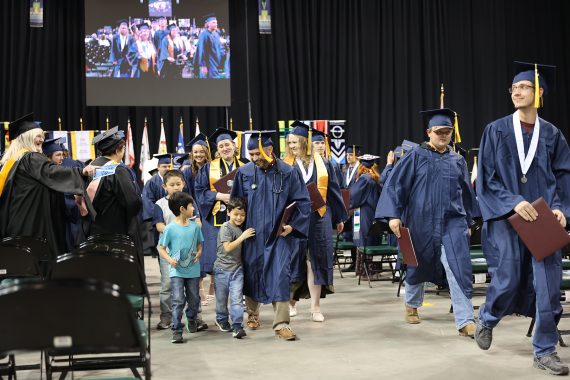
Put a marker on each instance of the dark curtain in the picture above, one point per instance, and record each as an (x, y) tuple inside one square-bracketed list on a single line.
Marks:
[(374, 63)]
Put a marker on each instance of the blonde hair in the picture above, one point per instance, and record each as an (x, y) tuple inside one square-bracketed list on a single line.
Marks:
[(24, 141), (195, 167), (303, 148)]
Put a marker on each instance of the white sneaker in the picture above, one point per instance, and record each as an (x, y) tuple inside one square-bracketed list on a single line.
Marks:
[(317, 317), (292, 311)]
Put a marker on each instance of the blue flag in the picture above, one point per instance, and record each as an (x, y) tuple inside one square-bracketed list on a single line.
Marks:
[(180, 145)]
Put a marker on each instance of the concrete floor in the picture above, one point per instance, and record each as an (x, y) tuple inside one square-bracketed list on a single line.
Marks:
[(364, 337)]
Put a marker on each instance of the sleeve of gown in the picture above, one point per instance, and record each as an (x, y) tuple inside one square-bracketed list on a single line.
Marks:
[(299, 193), (495, 200), (469, 201), (148, 191), (334, 198), (188, 181), (128, 195), (237, 188), (359, 192), (396, 190), (55, 177), (561, 169), (204, 196), (385, 173)]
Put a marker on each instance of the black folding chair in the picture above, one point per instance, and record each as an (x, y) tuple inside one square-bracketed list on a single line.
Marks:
[(366, 255), (90, 322), (7, 367), (37, 246), (17, 262)]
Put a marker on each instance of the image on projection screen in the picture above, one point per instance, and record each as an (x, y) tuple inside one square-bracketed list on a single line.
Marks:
[(157, 52)]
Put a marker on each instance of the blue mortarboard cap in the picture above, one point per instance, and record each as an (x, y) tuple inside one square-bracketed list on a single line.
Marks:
[(546, 74), (352, 148), (22, 125), (221, 134), (172, 26), (368, 160), (300, 129), (182, 160), (408, 145), (168, 158), (253, 142), (108, 139), (209, 17), (441, 117), (318, 135), (200, 139), (143, 25), (51, 146)]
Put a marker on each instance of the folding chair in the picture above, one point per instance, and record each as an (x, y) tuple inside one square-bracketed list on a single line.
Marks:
[(119, 244), (341, 245), (37, 246), (367, 255), (74, 322), (18, 262), (7, 367)]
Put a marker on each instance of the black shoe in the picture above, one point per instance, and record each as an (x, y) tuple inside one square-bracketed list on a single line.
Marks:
[(177, 337), (239, 333), (551, 364), (201, 325), (349, 269), (224, 326), (483, 336), (192, 327), (162, 325)]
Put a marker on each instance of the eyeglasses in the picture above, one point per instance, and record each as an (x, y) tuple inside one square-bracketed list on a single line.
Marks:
[(522, 87), (443, 132)]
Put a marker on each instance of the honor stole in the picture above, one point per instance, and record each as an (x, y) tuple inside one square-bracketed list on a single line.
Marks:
[(217, 171)]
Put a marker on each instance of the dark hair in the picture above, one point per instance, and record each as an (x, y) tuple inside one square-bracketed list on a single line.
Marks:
[(177, 200), (114, 148), (237, 202), (172, 173)]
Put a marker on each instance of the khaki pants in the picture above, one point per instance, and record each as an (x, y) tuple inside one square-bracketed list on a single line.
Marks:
[(280, 311)]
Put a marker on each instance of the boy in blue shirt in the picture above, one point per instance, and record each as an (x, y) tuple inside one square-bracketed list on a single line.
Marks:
[(183, 238)]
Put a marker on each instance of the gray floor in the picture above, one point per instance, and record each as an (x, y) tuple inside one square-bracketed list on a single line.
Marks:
[(364, 337)]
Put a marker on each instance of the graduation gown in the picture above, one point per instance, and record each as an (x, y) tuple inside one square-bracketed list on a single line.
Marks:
[(364, 194), (267, 259), (206, 199), (118, 204), (499, 190), (319, 241), (385, 173), (209, 53), (32, 202), (431, 193)]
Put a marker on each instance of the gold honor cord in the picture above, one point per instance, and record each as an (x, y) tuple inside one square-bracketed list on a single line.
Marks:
[(536, 87)]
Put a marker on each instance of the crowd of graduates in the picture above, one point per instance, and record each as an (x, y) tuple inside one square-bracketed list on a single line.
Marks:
[(283, 261)]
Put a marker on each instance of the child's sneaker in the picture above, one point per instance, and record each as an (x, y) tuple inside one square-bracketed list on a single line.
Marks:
[(192, 327), (224, 326), (239, 333), (177, 337), (201, 325)]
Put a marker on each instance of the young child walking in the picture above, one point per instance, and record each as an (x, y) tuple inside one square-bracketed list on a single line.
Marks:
[(228, 271), (183, 239)]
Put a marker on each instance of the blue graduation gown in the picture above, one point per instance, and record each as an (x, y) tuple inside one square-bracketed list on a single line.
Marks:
[(267, 260), (385, 173), (499, 190), (209, 53), (413, 193), (365, 194), (319, 241)]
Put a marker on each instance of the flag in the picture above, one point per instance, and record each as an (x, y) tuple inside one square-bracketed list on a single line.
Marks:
[(474, 172), (130, 149), (162, 147), (145, 153), (197, 128), (180, 145)]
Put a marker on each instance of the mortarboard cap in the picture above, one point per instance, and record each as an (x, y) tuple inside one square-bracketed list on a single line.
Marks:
[(408, 145), (526, 71), (200, 139), (300, 129), (51, 146), (319, 135), (221, 134), (352, 148), (209, 17), (123, 21), (368, 160), (172, 26), (108, 139), (168, 158), (152, 172), (253, 142), (399, 151), (182, 160), (143, 25), (22, 125), (439, 118)]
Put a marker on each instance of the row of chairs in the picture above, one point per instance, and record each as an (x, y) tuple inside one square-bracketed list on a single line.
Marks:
[(75, 295)]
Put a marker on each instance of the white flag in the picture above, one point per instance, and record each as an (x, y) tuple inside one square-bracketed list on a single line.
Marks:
[(474, 171), (145, 154), (197, 128), (162, 148), (130, 149)]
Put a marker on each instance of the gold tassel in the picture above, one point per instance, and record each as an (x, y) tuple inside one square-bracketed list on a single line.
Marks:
[(328, 148), (456, 128), (239, 133), (310, 144), (536, 87), (260, 146)]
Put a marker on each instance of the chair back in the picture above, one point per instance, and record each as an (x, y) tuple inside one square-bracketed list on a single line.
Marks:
[(17, 262)]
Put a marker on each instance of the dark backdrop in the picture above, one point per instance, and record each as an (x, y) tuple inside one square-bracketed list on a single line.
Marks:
[(374, 63)]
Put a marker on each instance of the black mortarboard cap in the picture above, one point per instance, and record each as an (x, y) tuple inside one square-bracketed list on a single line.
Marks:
[(22, 125), (53, 145), (108, 139), (221, 134)]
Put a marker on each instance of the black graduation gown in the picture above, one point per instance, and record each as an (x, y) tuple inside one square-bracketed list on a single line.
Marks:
[(32, 202)]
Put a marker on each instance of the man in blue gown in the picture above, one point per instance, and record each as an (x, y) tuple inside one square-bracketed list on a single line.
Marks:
[(521, 158), (209, 51), (429, 192), (270, 185)]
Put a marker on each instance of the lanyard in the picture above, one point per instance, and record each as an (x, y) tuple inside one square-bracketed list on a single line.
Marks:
[(307, 174), (350, 174), (525, 161)]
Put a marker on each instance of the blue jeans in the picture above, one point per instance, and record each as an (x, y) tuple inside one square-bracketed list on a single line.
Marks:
[(165, 292), (184, 290), (230, 284), (462, 306)]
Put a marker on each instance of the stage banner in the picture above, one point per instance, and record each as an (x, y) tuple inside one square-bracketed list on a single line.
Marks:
[(36, 13), (264, 8), (81, 147)]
